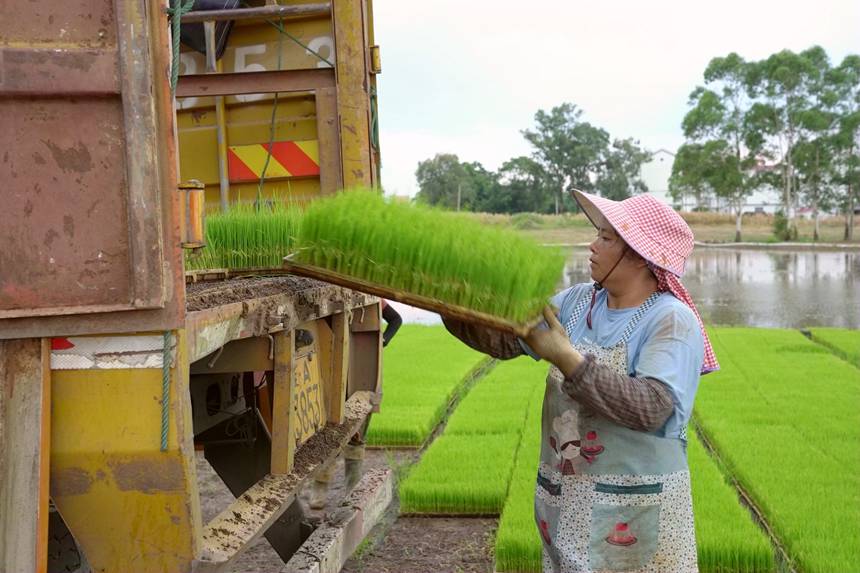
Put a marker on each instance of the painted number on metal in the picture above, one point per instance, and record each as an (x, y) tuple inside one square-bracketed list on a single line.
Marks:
[(310, 412)]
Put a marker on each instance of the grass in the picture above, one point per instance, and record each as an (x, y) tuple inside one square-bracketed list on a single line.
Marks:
[(418, 385), (841, 341), (444, 256), (784, 414), (466, 471), (707, 227), (246, 237)]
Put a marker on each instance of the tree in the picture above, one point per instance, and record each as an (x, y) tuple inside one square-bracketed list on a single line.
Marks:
[(782, 82), (570, 151), (526, 186), (443, 181), (718, 131), (845, 81), (621, 175)]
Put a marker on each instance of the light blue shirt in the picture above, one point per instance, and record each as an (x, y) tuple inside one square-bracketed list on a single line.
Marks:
[(666, 345)]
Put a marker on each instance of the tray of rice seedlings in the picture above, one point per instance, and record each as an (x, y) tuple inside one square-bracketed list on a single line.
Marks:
[(247, 237), (843, 342), (418, 386), (438, 261), (783, 416)]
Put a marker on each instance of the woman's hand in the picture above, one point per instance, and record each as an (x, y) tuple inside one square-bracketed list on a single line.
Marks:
[(553, 345)]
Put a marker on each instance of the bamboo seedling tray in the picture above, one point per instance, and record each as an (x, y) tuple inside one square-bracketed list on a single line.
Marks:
[(434, 305)]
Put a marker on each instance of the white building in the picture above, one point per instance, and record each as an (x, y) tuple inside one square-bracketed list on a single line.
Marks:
[(656, 174)]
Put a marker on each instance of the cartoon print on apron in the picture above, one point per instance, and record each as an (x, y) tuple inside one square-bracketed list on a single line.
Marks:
[(609, 498)]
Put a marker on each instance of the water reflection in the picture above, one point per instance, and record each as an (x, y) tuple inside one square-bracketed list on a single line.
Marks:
[(767, 288)]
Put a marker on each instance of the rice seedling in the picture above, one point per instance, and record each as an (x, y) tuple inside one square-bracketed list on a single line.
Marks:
[(518, 545), (418, 385), (247, 237), (468, 473), (427, 252), (727, 538), (841, 341), (509, 390), (461, 475), (784, 415)]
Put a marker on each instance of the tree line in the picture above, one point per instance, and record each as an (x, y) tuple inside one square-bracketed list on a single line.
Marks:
[(568, 153), (789, 123)]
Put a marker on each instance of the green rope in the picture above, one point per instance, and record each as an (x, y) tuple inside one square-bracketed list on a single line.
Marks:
[(165, 390), (374, 119), (279, 26), (184, 6), (272, 124)]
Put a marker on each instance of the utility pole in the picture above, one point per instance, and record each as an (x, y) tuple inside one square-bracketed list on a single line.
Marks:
[(459, 193)]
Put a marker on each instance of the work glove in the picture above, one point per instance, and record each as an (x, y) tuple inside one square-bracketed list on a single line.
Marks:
[(549, 341)]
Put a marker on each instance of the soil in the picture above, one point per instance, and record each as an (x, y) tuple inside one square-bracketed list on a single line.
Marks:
[(396, 544), (429, 544), (209, 294)]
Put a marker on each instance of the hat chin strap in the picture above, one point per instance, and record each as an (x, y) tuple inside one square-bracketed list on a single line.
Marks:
[(598, 286)]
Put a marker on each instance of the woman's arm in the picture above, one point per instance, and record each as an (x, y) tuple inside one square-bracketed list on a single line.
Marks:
[(497, 344), (642, 404)]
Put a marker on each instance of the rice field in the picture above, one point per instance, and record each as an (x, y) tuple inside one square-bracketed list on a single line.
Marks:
[(784, 414), (727, 538), (466, 471), (419, 386), (843, 342), (424, 251)]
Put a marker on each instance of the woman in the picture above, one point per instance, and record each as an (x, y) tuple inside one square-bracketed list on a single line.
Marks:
[(613, 489)]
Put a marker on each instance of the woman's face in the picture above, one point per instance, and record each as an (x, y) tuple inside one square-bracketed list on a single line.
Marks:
[(606, 249)]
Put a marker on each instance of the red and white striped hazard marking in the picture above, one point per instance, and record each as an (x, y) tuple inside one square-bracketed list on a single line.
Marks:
[(108, 352), (287, 159)]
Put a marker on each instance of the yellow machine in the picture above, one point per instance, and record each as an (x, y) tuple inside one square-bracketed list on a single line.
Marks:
[(114, 364)]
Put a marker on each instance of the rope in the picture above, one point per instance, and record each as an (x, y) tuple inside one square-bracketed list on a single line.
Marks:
[(280, 28), (374, 119), (165, 390), (183, 7), (272, 123)]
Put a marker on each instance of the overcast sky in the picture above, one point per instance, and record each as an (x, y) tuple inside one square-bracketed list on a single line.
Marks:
[(465, 76)]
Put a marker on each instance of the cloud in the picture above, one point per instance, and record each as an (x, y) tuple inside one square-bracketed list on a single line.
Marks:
[(465, 77)]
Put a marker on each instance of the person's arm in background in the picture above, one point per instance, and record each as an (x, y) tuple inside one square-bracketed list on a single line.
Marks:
[(393, 322)]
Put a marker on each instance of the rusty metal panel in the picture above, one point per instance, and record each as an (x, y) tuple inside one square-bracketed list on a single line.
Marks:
[(86, 153)]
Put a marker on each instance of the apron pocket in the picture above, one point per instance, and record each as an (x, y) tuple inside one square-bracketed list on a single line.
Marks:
[(623, 537), (547, 513)]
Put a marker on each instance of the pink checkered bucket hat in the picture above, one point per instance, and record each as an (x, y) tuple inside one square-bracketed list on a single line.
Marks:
[(649, 227), (660, 236)]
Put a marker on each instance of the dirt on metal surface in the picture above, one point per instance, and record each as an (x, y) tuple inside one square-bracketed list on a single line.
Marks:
[(203, 295), (397, 544)]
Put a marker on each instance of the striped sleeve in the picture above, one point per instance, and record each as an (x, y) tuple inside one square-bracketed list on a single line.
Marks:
[(642, 404)]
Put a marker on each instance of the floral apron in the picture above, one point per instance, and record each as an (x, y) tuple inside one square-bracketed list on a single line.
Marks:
[(609, 498)]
